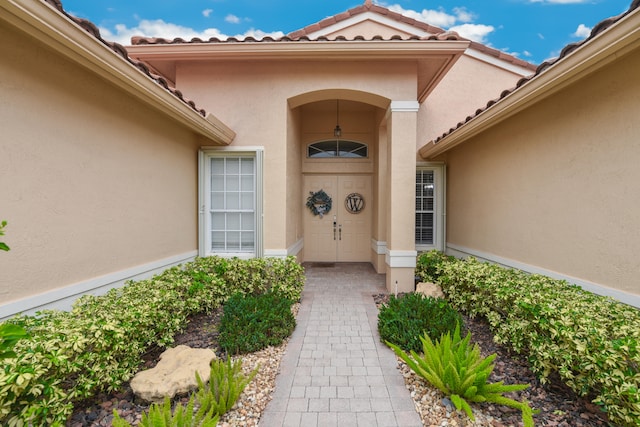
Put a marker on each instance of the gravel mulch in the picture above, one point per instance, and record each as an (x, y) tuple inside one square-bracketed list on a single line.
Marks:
[(558, 405)]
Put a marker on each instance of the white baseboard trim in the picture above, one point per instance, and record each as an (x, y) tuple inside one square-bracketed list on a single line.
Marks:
[(401, 259), (63, 298), (625, 297), (292, 250), (379, 247), (295, 249), (275, 253)]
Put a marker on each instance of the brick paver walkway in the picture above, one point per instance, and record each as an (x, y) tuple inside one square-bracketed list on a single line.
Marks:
[(335, 371)]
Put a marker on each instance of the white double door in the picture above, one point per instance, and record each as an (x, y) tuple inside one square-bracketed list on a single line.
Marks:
[(344, 233)]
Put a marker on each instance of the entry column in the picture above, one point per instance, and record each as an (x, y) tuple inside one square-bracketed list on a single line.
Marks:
[(401, 157)]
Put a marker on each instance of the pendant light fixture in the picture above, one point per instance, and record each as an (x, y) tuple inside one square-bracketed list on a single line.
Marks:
[(337, 132)]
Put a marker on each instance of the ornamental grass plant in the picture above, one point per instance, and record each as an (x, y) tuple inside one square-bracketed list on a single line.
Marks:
[(457, 369)]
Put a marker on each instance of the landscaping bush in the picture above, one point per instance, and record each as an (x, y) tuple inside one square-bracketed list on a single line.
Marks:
[(98, 345), (404, 319), (253, 322), (427, 265), (591, 342), (255, 276)]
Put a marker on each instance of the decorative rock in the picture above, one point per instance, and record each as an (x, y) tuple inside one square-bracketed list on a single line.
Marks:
[(174, 374), (429, 290)]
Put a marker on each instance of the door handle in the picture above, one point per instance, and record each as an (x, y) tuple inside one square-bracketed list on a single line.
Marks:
[(340, 231), (334, 230)]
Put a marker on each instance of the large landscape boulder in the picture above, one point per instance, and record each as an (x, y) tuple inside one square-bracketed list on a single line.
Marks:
[(174, 374), (429, 290)]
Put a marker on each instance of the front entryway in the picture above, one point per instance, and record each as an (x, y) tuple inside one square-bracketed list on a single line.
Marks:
[(344, 233)]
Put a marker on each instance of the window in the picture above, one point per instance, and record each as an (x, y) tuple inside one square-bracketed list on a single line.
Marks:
[(230, 197), (425, 207), (337, 148)]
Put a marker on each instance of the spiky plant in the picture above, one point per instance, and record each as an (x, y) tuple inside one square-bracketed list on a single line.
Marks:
[(458, 370), (161, 415), (226, 384)]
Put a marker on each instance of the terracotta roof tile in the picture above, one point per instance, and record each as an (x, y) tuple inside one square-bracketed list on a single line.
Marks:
[(566, 51), (137, 40), (122, 52), (303, 34)]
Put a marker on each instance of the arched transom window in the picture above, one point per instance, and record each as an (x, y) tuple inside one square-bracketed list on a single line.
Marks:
[(337, 148)]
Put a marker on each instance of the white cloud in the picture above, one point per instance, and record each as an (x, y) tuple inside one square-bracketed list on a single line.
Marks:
[(207, 12), (475, 32), (439, 18), (527, 54), (460, 21), (582, 31), (232, 19), (167, 30)]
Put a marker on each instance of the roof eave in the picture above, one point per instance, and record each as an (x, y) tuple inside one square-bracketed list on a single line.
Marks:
[(617, 40), (42, 21), (298, 50)]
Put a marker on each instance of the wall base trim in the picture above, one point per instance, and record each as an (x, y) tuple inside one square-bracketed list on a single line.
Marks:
[(624, 297), (63, 298), (292, 250), (401, 259), (379, 247)]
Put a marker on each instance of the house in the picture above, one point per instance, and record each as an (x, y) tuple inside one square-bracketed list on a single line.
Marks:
[(332, 144)]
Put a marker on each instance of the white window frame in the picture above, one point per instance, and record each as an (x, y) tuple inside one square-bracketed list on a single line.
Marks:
[(204, 199), (439, 216)]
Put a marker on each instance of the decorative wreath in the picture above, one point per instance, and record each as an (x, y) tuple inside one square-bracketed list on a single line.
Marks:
[(319, 203)]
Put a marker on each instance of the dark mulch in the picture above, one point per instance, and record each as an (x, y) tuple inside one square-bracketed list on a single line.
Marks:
[(558, 404), (201, 332)]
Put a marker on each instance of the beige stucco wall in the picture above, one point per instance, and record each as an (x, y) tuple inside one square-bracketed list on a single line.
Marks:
[(556, 186), (252, 98), (91, 182), (466, 87)]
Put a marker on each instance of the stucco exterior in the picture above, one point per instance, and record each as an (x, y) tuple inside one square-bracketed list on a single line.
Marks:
[(106, 167), (551, 186), (95, 183)]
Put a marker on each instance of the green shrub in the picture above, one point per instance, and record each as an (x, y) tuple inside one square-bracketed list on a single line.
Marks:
[(9, 337), (458, 370), (98, 345), (253, 322), (428, 263), (254, 276), (225, 386), (592, 342), (161, 415), (404, 319)]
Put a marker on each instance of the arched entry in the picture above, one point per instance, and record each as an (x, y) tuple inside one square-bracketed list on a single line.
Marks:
[(344, 166)]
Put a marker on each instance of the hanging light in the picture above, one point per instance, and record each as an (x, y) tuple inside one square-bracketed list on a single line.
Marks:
[(337, 132)]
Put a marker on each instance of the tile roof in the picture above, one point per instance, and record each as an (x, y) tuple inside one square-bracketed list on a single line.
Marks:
[(566, 51), (303, 34), (89, 27), (368, 6)]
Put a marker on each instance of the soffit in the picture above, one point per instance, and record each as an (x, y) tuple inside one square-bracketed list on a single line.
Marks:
[(609, 39), (80, 41), (434, 55)]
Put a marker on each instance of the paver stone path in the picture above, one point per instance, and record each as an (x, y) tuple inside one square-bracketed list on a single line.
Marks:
[(335, 371)]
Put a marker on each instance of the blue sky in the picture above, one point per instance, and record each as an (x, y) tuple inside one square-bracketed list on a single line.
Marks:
[(533, 30)]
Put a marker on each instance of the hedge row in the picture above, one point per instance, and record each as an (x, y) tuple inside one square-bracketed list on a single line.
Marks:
[(591, 342), (98, 345)]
